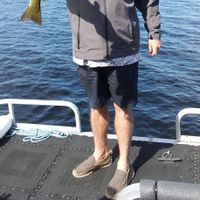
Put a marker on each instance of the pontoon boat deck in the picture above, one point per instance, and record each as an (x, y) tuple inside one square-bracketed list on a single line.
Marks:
[(42, 170)]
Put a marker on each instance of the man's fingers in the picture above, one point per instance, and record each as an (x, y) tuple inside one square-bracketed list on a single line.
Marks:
[(154, 46), (150, 48)]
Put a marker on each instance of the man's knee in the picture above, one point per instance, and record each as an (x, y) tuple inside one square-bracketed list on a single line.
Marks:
[(101, 112), (125, 113)]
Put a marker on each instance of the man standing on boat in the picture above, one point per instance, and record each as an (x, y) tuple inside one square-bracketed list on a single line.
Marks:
[(106, 49)]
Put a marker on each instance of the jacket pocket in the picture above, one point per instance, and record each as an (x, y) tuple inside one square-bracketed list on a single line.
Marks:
[(131, 23), (78, 31)]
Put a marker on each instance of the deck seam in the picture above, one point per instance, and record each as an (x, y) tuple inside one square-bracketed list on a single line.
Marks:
[(48, 171)]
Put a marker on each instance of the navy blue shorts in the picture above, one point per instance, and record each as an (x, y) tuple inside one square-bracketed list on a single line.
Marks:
[(118, 83)]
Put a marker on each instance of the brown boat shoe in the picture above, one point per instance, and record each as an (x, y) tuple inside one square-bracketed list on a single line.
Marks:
[(119, 181), (89, 165)]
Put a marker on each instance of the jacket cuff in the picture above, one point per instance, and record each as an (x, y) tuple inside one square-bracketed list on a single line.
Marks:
[(154, 35)]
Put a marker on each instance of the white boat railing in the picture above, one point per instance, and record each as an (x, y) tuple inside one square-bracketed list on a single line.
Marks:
[(186, 139), (12, 102)]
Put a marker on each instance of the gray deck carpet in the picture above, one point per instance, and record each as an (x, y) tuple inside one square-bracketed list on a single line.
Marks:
[(42, 171)]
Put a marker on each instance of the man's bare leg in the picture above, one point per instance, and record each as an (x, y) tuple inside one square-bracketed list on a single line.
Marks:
[(101, 157), (124, 129), (99, 123), (124, 173)]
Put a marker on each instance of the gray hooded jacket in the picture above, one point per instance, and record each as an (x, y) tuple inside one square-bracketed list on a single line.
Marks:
[(106, 29)]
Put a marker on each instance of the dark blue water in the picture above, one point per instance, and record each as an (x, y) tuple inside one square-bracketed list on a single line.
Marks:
[(36, 63)]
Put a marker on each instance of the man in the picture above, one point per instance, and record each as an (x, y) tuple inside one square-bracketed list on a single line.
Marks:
[(106, 49)]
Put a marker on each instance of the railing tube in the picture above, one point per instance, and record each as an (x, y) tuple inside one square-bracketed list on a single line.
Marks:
[(186, 111)]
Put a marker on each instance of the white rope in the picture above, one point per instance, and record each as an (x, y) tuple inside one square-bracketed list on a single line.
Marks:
[(38, 135)]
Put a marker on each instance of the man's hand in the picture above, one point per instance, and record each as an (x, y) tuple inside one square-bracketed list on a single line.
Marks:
[(154, 46)]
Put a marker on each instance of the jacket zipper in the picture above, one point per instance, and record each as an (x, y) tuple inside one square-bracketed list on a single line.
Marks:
[(106, 31)]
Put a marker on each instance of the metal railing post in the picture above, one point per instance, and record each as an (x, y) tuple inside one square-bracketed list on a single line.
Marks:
[(11, 112), (183, 112)]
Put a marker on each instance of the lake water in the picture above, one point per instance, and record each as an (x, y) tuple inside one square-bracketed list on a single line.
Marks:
[(36, 63)]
